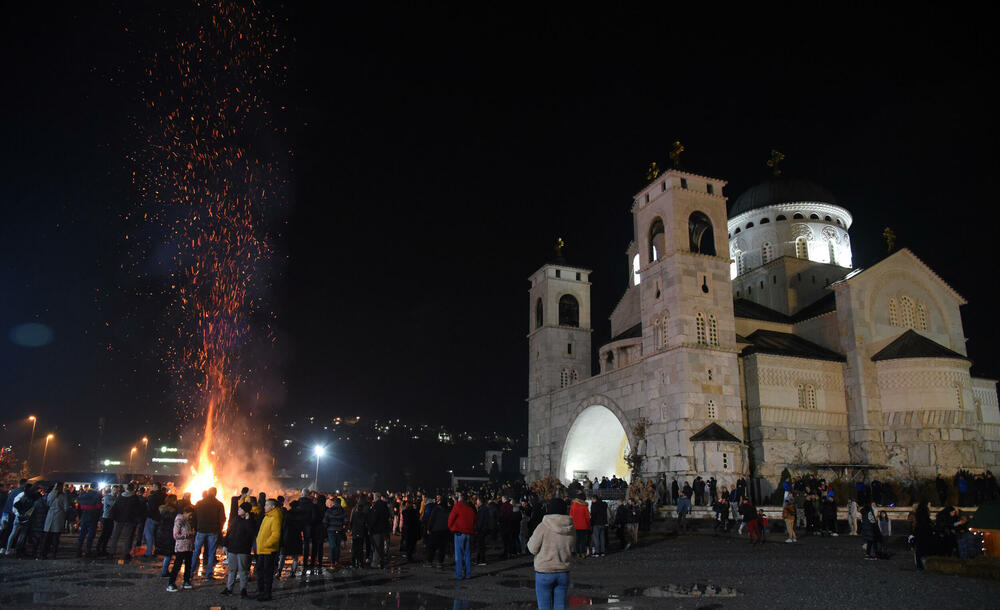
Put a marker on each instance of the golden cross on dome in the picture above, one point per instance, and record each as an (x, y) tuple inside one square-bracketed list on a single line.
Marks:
[(653, 171), (560, 244), (675, 154), (775, 161)]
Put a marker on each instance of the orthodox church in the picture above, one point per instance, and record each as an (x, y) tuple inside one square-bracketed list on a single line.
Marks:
[(743, 355)]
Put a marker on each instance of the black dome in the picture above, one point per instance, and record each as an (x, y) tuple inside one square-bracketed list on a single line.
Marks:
[(780, 190)]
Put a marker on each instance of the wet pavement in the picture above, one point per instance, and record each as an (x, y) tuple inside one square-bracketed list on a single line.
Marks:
[(692, 571)]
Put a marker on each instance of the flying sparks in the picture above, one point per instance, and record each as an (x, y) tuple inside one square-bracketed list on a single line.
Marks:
[(205, 179)]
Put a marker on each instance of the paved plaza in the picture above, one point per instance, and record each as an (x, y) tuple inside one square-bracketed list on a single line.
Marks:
[(696, 570)]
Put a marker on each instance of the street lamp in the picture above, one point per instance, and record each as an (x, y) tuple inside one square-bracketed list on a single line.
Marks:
[(145, 446), (33, 421), (45, 452), (130, 455), (319, 451)]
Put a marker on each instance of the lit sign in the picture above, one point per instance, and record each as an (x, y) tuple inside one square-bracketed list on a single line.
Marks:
[(168, 449), (112, 463), (171, 460)]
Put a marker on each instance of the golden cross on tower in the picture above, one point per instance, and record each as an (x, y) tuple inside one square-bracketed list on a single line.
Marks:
[(675, 154), (653, 171), (560, 244), (890, 238), (775, 161)]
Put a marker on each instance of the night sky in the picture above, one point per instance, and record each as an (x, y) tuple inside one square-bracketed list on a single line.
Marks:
[(432, 157)]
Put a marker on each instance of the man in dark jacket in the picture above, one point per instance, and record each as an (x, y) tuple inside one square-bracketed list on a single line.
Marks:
[(359, 532), (438, 533), (153, 502), (314, 563), (379, 526), (483, 529), (10, 515), (126, 512), (209, 518), (238, 542), (599, 524), (411, 529), (333, 520), (89, 506)]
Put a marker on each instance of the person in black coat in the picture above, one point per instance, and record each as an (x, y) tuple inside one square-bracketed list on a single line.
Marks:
[(379, 527), (292, 529), (317, 531), (599, 525), (483, 529), (238, 541), (359, 532), (334, 520), (411, 530)]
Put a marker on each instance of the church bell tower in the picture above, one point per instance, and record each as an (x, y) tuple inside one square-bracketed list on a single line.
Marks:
[(559, 327)]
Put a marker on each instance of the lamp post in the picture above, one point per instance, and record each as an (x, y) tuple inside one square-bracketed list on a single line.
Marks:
[(45, 452), (319, 452), (131, 454), (31, 442), (145, 446)]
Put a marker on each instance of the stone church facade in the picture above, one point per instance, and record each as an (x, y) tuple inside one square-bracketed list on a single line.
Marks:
[(747, 343)]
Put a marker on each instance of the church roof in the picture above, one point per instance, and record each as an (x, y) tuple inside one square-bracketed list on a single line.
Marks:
[(787, 344), (780, 189), (908, 253), (631, 333), (715, 432), (745, 308), (912, 344)]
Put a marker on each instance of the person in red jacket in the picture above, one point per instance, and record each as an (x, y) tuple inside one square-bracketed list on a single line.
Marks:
[(581, 523), (462, 523)]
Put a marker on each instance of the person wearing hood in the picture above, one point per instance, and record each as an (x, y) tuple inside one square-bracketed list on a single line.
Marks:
[(58, 504), (552, 545), (581, 523), (333, 520)]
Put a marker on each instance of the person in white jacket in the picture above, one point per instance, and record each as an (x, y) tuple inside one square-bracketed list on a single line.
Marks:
[(552, 546)]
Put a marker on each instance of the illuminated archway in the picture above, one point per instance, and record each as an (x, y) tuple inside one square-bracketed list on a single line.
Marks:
[(596, 444)]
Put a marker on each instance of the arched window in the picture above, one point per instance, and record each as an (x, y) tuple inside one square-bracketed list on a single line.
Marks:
[(737, 230), (699, 327), (814, 216), (713, 331), (802, 396), (635, 270), (700, 234), (801, 247), (710, 411), (656, 240), (797, 216), (764, 221), (810, 396), (538, 313), (766, 253), (779, 218), (828, 219), (906, 304), (749, 225), (893, 312), (569, 311), (921, 316)]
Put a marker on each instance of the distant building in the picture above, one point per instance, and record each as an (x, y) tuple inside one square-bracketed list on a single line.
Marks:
[(744, 355)]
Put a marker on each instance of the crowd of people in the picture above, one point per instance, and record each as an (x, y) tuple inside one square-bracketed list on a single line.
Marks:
[(272, 538)]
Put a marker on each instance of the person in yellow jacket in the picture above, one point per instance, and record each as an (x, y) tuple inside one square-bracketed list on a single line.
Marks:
[(268, 541)]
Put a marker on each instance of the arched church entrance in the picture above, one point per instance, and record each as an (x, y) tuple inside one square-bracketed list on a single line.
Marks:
[(595, 446)]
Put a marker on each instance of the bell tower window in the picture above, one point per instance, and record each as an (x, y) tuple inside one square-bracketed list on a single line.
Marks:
[(700, 233), (657, 242), (569, 311), (713, 331), (538, 313)]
